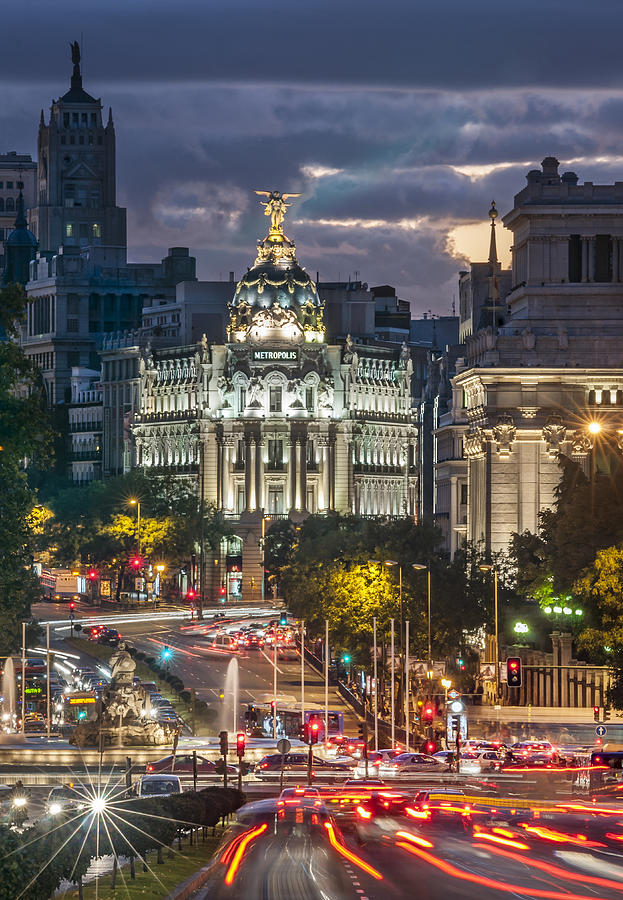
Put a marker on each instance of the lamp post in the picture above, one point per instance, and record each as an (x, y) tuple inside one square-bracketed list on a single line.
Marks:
[(134, 502), (488, 568), (390, 563), (419, 567)]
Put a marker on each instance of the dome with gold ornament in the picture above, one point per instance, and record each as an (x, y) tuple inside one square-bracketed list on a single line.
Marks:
[(276, 298)]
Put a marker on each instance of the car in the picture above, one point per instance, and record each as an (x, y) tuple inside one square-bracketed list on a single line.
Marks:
[(380, 813), (110, 637), (295, 764), (411, 764), (158, 785), (375, 758), (364, 783), (94, 631), (73, 796), (299, 792), (182, 764), (442, 806), (287, 652), (345, 746), (223, 642), (251, 642), (480, 761)]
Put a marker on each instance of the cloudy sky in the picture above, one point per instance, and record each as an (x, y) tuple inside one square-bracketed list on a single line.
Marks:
[(398, 121)]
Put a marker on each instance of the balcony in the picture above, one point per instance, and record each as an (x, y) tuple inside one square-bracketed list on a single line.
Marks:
[(181, 415), (369, 469), (85, 455), (92, 427), (187, 469)]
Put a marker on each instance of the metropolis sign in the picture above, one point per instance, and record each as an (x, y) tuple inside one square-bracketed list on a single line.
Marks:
[(274, 356)]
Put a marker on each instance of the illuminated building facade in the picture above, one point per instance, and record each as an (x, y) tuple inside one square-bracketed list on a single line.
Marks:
[(528, 389), (276, 422)]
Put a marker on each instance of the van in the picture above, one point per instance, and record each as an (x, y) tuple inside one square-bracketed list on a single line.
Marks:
[(224, 642), (158, 786)]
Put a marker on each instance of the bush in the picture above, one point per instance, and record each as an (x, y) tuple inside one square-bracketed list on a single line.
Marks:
[(185, 696)]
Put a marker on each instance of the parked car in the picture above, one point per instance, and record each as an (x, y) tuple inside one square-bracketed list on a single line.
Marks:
[(295, 765), (411, 764), (475, 763), (158, 785)]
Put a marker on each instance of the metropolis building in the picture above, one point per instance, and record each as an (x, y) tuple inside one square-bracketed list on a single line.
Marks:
[(275, 421)]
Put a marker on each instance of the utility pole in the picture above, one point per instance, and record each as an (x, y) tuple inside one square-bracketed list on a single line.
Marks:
[(202, 528)]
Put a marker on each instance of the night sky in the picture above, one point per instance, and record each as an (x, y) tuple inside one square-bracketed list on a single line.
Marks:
[(398, 121)]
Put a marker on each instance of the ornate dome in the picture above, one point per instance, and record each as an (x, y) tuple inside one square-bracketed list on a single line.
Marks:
[(276, 282)]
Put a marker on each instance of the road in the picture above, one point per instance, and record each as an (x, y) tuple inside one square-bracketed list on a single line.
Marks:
[(205, 669), (269, 856)]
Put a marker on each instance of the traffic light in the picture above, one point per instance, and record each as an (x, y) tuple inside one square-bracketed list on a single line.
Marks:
[(513, 671), (283, 618), (191, 593), (428, 714), (240, 741), (166, 653), (72, 605), (460, 663), (606, 713), (430, 747), (314, 728), (221, 591), (224, 744), (92, 575), (596, 713), (136, 562), (244, 767)]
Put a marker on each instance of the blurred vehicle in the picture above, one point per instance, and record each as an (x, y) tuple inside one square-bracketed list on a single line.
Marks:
[(70, 587), (480, 761), (410, 764), (531, 748), (287, 652), (380, 813), (375, 759), (184, 765), (446, 756), (345, 746), (34, 723), (360, 784), (443, 806), (251, 642), (222, 641), (295, 764), (158, 786), (299, 792), (74, 796), (94, 630)]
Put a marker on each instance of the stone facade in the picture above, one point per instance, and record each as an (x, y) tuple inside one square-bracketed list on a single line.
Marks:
[(277, 422), (528, 390)]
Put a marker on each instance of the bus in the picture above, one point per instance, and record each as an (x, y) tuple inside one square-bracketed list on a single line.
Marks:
[(289, 721)]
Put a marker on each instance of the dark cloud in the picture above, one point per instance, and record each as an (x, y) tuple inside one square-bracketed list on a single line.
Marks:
[(397, 122)]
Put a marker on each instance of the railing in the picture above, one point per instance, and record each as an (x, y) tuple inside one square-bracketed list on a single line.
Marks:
[(77, 455), (85, 426), (181, 415)]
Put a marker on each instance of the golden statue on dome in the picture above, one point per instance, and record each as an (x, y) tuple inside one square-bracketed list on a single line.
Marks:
[(276, 207)]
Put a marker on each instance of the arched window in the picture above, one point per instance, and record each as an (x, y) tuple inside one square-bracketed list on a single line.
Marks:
[(10, 204), (1, 204)]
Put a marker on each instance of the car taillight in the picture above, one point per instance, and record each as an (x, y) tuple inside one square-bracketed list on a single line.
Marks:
[(150, 768), (263, 765)]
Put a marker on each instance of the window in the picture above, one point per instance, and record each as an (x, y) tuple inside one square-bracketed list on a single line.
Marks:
[(311, 500), (1, 205), (85, 118), (9, 185), (72, 325), (10, 204), (1, 234), (275, 394), (275, 500), (242, 398), (275, 454), (311, 455), (81, 139), (463, 494), (309, 398), (72, 139), (69, 230), (94, 120), (65, 120), (1, 185), (84, 230), (74, 119), (90, 139), (94, 199), (97, 230), (240, 455), (575, 258), (240, 500), (63, 139), (603, 257)]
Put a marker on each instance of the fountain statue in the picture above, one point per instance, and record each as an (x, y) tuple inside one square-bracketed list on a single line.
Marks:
[(122, 717)]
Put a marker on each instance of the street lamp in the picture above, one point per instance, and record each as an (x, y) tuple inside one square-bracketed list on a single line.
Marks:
[(134, 502), (594, 427), (488, 568), (420, 567)]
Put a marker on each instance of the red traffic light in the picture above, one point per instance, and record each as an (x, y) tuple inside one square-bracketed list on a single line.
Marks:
[(513, 671), (92, 575), (240, 742), (191, 594), (596, 713), (430, 747), (428, 713), (72, 605), (221, 590), (136, 562)]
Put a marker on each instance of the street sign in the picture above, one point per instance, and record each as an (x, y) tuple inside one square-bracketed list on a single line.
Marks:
[(601, 731), (283, 746), (453, 695)]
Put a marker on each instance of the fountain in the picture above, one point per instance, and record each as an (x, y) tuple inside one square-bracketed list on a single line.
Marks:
[(229, 712), (9, 706)]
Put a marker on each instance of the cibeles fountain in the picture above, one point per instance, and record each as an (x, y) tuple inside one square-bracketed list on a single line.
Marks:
[(123, 715)]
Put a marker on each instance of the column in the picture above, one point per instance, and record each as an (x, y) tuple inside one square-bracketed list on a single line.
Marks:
[(247, 471), (293, 470), (259, 473), (332, 472), (584, 251), (325, 477), (297, 480), (225, 476), (219, 472), (253, 473), (303, 471)]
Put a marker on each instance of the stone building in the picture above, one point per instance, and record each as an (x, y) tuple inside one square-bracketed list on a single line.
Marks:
[(528, 390), (85, 426), (275, 421)]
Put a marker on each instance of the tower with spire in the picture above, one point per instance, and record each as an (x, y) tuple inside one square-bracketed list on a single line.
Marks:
[(20, 247), (76, 203)]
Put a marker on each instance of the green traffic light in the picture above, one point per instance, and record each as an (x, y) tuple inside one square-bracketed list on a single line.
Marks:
[(346, 659)]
